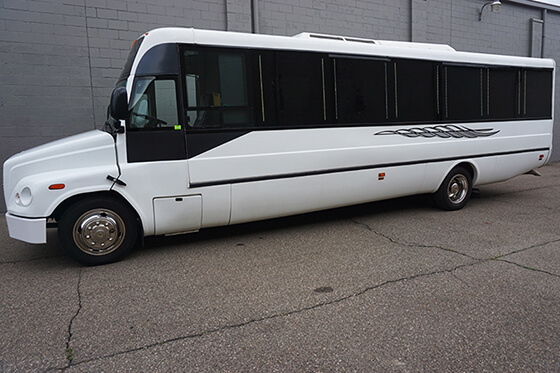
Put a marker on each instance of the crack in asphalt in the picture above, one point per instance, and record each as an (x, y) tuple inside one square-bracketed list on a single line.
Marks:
[(451, 271), (274, 316), (527, 248), (31, 260), (527, 267), (496, 199), (367, 227), (478, 260), (499, 258), (69, 351)]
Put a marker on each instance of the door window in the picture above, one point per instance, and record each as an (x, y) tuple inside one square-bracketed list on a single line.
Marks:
[(153, 104)]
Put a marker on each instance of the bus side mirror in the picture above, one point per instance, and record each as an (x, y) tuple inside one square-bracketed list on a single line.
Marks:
[(119, 104)]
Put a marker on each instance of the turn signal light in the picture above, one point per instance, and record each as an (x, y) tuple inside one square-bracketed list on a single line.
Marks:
[(56, 186)]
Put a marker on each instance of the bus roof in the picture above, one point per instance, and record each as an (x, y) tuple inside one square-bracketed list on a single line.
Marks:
[(332, 44)]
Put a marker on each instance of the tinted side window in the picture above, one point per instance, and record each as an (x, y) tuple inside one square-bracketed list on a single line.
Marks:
[(361, 91), (537, 100), (463, 92), (503, 93), (218, 88), (299, 88), (415, 91)]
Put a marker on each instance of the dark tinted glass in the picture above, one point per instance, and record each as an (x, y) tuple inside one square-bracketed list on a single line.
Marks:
[(503, 93), (463, 96), (218, 88), (159, 60), (299, 88), (130, 60), (361, 90), (537, 102), (415, 91)]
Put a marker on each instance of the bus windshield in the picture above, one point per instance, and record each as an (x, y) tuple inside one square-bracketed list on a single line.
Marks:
[(130, 60)]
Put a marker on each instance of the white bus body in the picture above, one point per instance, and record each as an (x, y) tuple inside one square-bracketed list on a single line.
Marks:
[(212, 128)]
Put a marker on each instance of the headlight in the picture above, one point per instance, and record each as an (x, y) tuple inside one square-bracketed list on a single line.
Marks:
[(24, 197)]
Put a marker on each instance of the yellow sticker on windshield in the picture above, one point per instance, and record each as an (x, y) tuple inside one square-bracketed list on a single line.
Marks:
[(177, 126)]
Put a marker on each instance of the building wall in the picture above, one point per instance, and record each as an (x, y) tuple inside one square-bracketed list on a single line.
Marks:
[(59, 59)]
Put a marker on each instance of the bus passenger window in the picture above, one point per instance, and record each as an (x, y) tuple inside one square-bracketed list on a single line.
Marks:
[(217, 89), (361, 91), (299, 88), (503, 96), (154, 104), (464, 88), (416, 91), (537, 93)]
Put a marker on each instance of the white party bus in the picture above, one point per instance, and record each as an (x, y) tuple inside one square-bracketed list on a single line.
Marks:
[(210, 128)]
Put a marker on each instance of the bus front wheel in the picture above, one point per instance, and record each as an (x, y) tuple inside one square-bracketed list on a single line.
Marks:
[(98, 230), (455, 191)]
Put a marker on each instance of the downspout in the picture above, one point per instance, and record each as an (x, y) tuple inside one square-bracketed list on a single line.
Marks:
[(255, 16), (544, 14)]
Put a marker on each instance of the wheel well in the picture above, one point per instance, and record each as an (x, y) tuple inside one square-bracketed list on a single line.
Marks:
[(470, 168), (57, 213)]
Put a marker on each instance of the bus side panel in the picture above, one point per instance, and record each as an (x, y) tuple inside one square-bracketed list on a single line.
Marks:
[(148, 180), (275, 198), (511, 165)]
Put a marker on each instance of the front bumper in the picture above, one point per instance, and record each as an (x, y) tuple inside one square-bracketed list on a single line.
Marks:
[(26, 229)]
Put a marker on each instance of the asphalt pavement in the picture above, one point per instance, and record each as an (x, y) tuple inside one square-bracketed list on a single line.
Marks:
[(392, 286)]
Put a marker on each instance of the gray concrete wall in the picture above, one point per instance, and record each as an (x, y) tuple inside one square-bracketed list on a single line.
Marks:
[(59, 59)]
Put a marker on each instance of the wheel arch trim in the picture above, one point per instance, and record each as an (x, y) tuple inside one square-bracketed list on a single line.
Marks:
[(59, 210)]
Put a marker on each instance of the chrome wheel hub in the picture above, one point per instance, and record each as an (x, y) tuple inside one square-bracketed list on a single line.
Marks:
[(99, 232), (457, 189)]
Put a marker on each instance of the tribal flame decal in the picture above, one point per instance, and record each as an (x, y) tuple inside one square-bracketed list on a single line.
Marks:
[(444, 132)]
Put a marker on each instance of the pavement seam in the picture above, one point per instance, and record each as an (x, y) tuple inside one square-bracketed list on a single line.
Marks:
[(367, 227), (69, 352), (527, 267), (495, 258), (503, 192), (278, 315), (31, 260), (527, 248), (475, 260), (497, 199)]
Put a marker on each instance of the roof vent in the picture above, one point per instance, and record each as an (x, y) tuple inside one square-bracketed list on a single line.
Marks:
[(307, 35)]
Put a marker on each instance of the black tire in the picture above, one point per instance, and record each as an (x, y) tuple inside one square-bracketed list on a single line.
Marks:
[(455, 191), (98, 230)]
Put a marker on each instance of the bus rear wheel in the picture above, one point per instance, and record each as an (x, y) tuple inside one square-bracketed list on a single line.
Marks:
[(97, 231), (455, 191)]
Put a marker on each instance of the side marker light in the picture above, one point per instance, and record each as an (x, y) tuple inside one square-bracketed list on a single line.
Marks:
[(56, 186)]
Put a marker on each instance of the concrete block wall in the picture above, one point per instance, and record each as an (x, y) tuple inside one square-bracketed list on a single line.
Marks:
[(360, 18), (59, 59)]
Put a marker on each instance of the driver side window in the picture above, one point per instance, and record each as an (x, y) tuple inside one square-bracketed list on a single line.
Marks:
[(153, 104)]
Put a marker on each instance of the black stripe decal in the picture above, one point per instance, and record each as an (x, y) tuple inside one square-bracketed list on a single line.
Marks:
[(357, 168)]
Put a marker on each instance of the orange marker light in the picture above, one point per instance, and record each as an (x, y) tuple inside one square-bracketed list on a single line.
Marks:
[(56, 186), (381, 176)]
